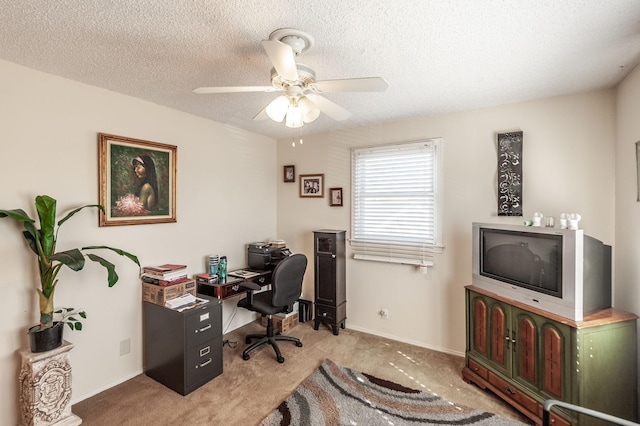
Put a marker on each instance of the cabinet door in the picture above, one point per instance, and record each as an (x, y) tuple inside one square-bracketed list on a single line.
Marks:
[(478, 327), (553, 354), (325, 278), (499, 336), (525, 345)]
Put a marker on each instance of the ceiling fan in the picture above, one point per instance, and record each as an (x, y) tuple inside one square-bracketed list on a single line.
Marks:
[(301, 102)]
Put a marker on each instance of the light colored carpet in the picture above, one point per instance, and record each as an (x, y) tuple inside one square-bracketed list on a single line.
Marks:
[(247, 391)]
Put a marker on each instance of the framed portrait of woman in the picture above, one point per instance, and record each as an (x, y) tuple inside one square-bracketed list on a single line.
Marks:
[(137, 181)]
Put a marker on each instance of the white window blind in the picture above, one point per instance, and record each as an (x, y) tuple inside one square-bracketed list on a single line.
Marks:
[(395, 197)]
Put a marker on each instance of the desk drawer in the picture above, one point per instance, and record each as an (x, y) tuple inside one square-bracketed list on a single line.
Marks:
[(232, 286)]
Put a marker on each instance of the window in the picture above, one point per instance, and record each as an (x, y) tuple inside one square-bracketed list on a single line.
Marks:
[(396, 202)]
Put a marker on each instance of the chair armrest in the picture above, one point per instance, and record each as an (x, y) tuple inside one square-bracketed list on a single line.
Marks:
[(249, 285)]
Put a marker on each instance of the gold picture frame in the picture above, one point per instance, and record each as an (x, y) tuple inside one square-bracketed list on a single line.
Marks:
[(137, 181), (312, 186)]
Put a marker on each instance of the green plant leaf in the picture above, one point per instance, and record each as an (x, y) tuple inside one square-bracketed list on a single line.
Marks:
[(121, 252), (46, 208), (83, 314), (18, 215), (79, 326), (71, 258), (30, 233), (70, 325), (74, 211), (112, 276)]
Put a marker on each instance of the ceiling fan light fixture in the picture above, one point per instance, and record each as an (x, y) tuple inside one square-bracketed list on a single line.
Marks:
[(277, 109), (294, 116), (308, 110)]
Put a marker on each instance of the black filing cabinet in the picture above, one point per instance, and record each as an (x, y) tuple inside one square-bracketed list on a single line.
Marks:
[(330, 279), (183, 350)]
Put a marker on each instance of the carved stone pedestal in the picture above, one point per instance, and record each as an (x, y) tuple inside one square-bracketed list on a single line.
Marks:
[(45, 388)]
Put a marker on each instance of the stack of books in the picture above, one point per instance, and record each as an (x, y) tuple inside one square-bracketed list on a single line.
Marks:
[(164, 275)]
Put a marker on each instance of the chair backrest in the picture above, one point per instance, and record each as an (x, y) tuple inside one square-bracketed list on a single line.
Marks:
[(286, 282)]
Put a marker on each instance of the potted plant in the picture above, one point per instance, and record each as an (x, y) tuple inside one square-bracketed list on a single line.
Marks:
[(48, 334)]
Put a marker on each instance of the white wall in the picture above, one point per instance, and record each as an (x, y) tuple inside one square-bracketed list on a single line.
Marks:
[(49, 129), (568, 166), (627, 267)]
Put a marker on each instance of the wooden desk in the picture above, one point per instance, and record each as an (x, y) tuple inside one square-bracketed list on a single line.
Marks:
[(231, 287)]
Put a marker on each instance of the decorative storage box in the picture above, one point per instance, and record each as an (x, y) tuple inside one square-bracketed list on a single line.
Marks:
[(282, 324), (160, 294)]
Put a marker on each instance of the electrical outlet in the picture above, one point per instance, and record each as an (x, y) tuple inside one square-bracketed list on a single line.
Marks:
[(384, 313), (125, 347)]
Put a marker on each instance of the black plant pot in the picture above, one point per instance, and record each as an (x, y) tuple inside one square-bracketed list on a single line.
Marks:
[(47, 339)]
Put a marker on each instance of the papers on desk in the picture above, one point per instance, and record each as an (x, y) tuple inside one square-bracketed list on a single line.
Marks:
[(241, 273), (184, 302)]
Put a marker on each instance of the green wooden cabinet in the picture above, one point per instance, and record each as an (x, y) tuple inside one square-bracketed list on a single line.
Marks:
[(526, 356)]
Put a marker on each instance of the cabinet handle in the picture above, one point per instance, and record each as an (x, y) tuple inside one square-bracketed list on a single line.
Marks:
[(507, 338), (203, 329), (510, 391), (333, 256), (513, 339), (261, 280), (204, 363), (235, 287)]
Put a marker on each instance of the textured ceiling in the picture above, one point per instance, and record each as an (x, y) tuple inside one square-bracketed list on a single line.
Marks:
[(437, 55)]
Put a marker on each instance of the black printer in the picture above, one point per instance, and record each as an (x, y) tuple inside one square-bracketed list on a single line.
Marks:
[(263, 256)]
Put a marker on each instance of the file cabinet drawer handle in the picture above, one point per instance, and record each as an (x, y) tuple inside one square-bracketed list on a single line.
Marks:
[(207, 362), (203, 329)]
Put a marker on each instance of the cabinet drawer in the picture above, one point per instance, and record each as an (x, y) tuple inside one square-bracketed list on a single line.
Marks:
[(203, 362), (478, 369), (202, 325), (513, 393), (326, 313)]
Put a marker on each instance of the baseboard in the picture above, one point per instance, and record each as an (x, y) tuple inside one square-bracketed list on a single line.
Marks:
[(75, 400), (409, 341)]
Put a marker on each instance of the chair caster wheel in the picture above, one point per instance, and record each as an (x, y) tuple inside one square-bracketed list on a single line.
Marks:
[(299, 344), (245, 357), (280, 359)]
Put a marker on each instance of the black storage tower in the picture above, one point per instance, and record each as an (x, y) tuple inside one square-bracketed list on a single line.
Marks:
[(330, 279)]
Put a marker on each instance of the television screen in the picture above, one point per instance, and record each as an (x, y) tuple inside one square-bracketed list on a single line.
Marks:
[(526, 259)]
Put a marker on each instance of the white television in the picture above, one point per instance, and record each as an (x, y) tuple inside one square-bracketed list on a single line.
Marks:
[(560, 271)]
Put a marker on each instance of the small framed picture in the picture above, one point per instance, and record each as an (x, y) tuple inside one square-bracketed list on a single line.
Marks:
[(289, 173), (312, 186), (335, 196)]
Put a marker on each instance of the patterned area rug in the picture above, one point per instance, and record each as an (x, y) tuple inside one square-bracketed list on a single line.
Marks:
[(335, 395)]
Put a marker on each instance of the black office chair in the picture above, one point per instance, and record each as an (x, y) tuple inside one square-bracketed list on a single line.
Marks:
[(286, 288)]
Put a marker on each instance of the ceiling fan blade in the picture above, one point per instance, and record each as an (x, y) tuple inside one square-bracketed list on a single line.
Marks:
[(283, 59), (262, 115), (333, 110), (366, 84), (234, 89)]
